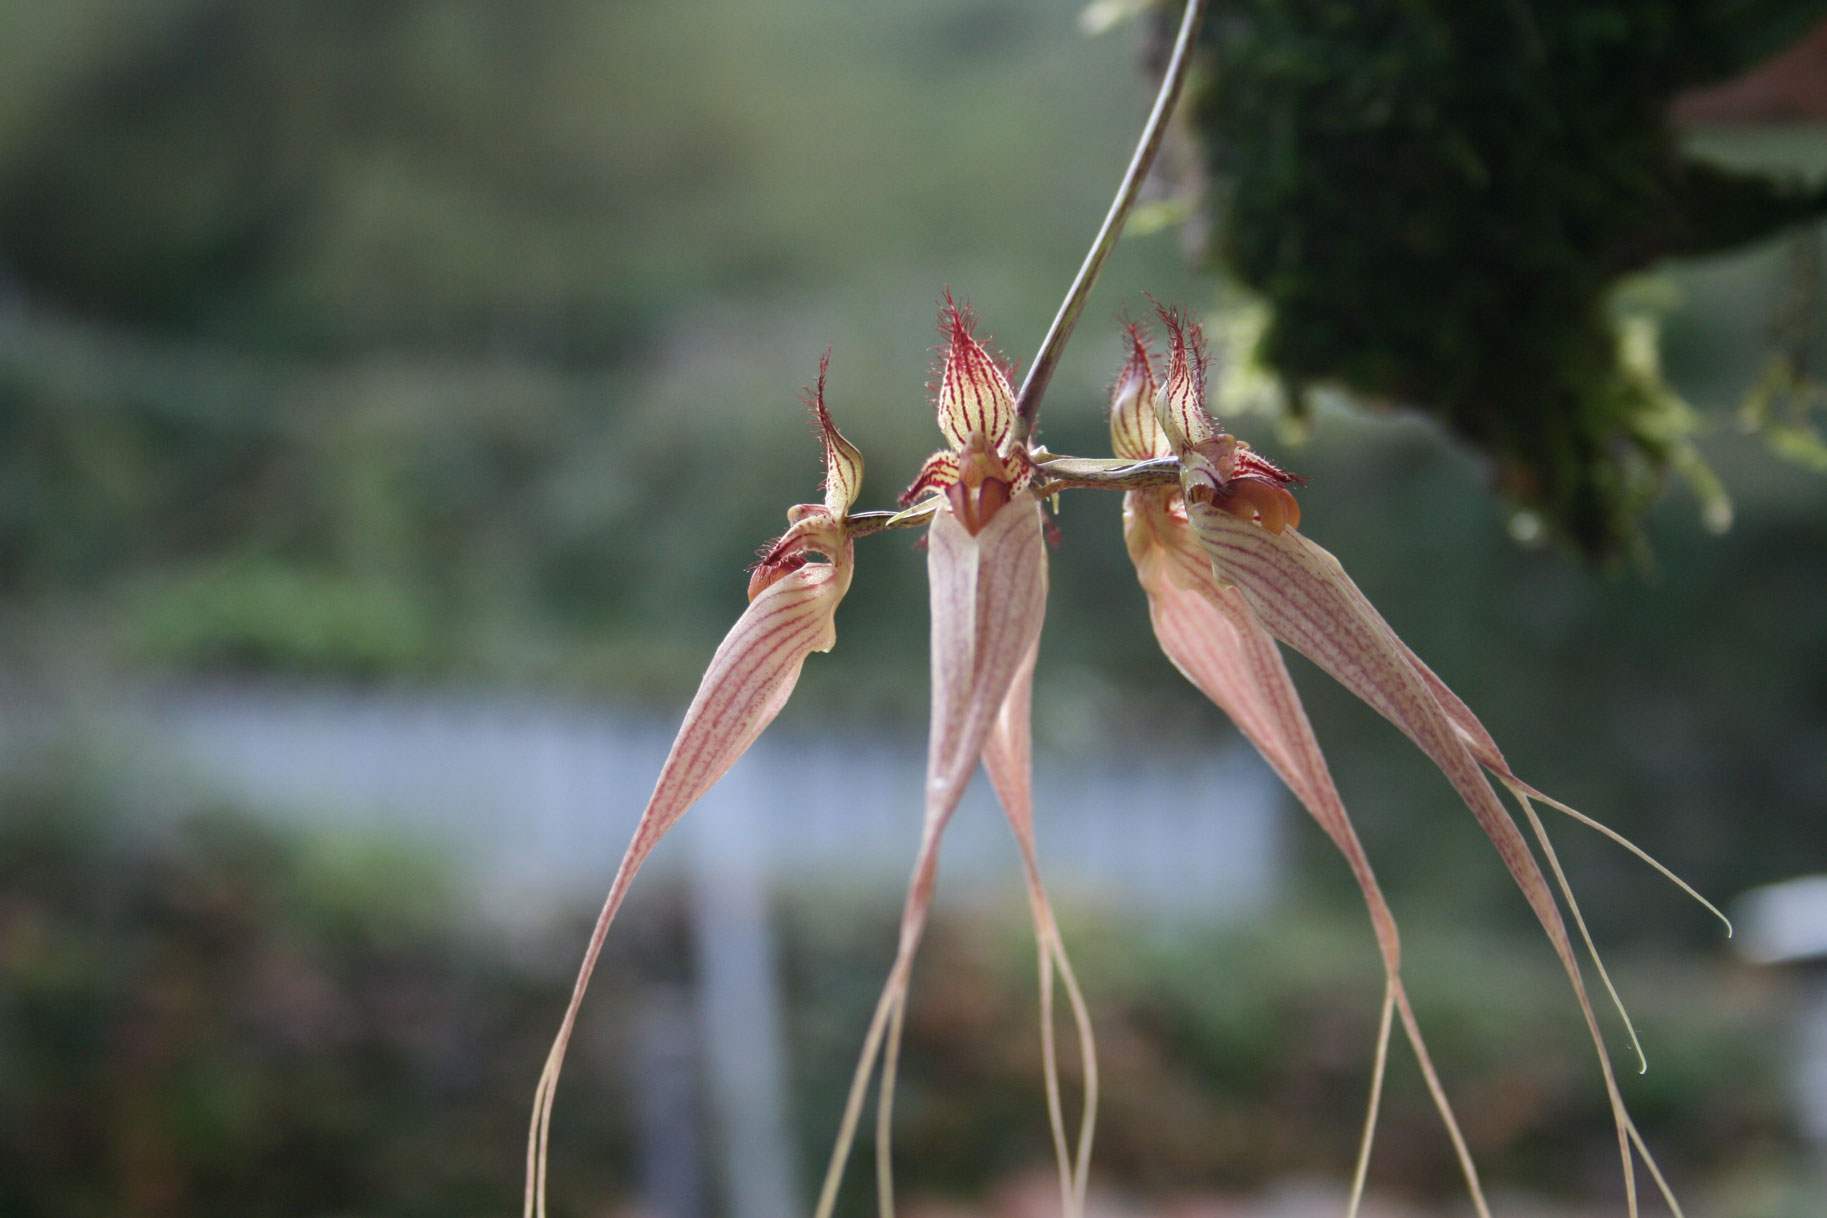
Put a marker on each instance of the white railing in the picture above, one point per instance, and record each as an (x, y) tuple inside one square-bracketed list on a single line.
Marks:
[(539, 797)]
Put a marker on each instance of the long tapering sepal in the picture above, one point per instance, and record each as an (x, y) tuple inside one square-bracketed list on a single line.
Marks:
[(749, 680), (1302, 594), (1008, 759), (1209, 632), (989, 591)]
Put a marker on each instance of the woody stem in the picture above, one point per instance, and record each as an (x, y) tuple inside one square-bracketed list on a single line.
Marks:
[(1027, 406)]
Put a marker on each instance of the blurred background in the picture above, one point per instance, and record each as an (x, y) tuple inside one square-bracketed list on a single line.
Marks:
[(391, 396)]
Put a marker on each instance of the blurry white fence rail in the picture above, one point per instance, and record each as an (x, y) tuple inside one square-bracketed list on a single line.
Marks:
[(540, 797), (537, 799)]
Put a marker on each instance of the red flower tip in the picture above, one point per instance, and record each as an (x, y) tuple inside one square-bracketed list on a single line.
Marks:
[(1186, 340), (1134, 432), (1138, 339), (958, 324), (971, 390), (843, 463), (1215, 467), (1182, 406), (814, 398), (1141, 363)]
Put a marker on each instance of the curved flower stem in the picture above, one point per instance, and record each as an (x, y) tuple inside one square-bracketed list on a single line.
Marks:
[(1027, 404)]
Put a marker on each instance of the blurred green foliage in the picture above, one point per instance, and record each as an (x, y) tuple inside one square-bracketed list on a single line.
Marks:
[(490, 328), (202, 1016), (1234, 1058), (1438, 204)]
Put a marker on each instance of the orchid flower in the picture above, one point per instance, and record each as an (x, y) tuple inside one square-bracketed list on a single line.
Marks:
[(1213, 529), (792, 606), (986, 564), (1227, 573)]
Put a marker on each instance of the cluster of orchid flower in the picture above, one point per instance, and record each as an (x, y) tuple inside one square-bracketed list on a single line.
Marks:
[(1212, 529)]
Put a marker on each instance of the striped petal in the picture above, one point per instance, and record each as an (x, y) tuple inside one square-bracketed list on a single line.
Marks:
[(989, 595), (749, 680), (989, 591), (973, 389), (1135, 432), (1303, 596), (1209, 632), (1181, 403), (843, 462)]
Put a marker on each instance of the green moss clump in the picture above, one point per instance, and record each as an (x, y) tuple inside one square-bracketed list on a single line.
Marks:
[(1435, 200)]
